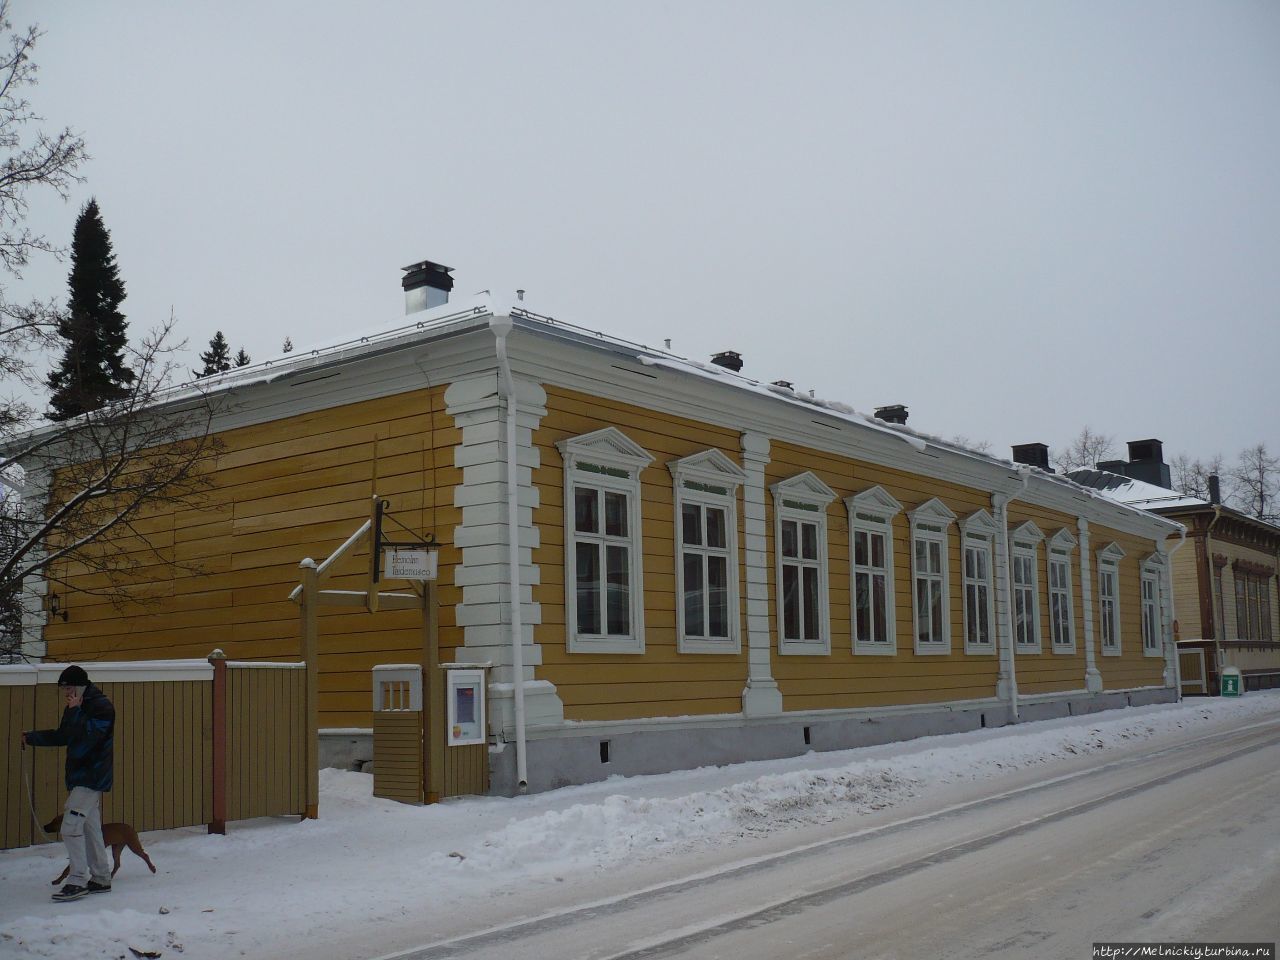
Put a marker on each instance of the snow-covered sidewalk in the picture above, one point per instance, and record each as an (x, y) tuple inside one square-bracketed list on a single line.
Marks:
[(367, 861)]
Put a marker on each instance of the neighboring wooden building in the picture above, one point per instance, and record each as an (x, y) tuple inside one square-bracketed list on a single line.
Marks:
[(1226, 584), (709, 568)]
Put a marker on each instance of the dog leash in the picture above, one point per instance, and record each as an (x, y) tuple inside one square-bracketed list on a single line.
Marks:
[(31, 797)]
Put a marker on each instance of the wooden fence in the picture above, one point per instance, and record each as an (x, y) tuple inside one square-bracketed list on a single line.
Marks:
[(193, 739)]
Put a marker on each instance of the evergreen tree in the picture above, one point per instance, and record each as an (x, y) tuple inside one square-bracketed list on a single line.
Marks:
[(217, 359), (287, 346), (92, 371), (242, 358)]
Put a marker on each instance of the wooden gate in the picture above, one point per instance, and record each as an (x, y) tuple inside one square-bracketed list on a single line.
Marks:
[(1191, 669)]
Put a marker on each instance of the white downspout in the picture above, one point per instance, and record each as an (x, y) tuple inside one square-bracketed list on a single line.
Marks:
[(1002, 510), (501, 326), (1166, 588)]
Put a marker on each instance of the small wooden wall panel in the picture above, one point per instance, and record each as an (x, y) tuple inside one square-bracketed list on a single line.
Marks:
[(466, 770), (397, 755), (17, 714), (266, 762)]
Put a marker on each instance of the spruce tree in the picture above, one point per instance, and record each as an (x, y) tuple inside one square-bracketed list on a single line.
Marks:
[(217, 359), (92, 370), (242, 358)]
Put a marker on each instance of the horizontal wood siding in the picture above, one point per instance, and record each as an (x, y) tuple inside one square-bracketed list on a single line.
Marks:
[(1186, 592), (1132, 668), (843, 679), (1047, 671), (397, 755), (282, 491), (661, 682)]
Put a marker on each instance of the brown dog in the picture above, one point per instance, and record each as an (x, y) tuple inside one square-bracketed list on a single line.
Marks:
[(117, 836)]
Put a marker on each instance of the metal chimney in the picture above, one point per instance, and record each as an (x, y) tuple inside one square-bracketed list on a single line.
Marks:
[(426, 285), (894, 413), (729, 359), (1215, 489)]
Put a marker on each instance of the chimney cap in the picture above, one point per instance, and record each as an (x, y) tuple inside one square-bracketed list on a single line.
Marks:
[(729, 359), (1150, 449), (427, 273), (893, 413), (1032, 454)]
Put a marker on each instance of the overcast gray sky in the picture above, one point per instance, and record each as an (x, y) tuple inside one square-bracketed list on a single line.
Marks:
[(1016, 218)]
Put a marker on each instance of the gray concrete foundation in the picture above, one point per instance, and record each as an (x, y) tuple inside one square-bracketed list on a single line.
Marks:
[(586, 753)]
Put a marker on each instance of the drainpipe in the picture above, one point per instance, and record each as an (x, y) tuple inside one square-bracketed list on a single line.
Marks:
[(1167, 588), (1001, 501), (501, 326)]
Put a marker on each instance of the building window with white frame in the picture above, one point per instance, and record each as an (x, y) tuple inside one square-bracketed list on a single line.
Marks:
[(979, 531), (1026, 587), (1153, 568), (1150, 613), (800, 532), (931, 594), (1109, 599), (1061, 617), (603, 574), (706, 508), (871, 516)]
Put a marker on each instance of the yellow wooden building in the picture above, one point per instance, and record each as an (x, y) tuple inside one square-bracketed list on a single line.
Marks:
[(666, 562), (1225, 585)]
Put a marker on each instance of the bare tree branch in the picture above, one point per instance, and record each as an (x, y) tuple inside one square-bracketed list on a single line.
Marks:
[(1085, 451)]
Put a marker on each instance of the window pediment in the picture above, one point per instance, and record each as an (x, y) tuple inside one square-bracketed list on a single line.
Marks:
[(807, 488), (1111, 553), (980, 524), (1063, 541), (1153, 561), (1027, 533), (932, 511), (609, 446), (876, 501), (710, 467)]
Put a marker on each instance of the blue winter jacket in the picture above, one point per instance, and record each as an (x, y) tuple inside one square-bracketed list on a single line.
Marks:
[(87, 732)]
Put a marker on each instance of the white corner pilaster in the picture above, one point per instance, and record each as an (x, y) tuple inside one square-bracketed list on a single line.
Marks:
[(32, 644), (1092, 677), (761, 696), (484, 614)]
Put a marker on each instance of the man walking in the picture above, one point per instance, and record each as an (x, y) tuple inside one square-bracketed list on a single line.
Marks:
[(86, 730)]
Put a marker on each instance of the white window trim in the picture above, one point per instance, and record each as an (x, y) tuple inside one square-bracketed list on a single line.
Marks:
[(691, 475), (1061, 545), (980, 529), (814, 496), (609, 448), (875, 502), (935, 513), (1152, 572), (1024, 542), (1109, 558)]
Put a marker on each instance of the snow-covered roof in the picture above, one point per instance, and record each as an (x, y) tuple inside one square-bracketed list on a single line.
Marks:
[(1135, 493), (464, 314)]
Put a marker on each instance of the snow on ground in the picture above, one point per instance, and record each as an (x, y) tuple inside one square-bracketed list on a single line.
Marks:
[(276, 881)]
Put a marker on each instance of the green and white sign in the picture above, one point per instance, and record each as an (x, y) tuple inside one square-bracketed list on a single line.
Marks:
[(1231, 682)]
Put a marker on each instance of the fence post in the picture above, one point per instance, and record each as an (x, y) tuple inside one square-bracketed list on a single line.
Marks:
[(218, 660), (311, 653)]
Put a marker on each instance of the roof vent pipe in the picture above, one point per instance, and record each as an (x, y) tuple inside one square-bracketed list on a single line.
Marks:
[(426, 285), (894, 413), (729, 359), (1215, 489)]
